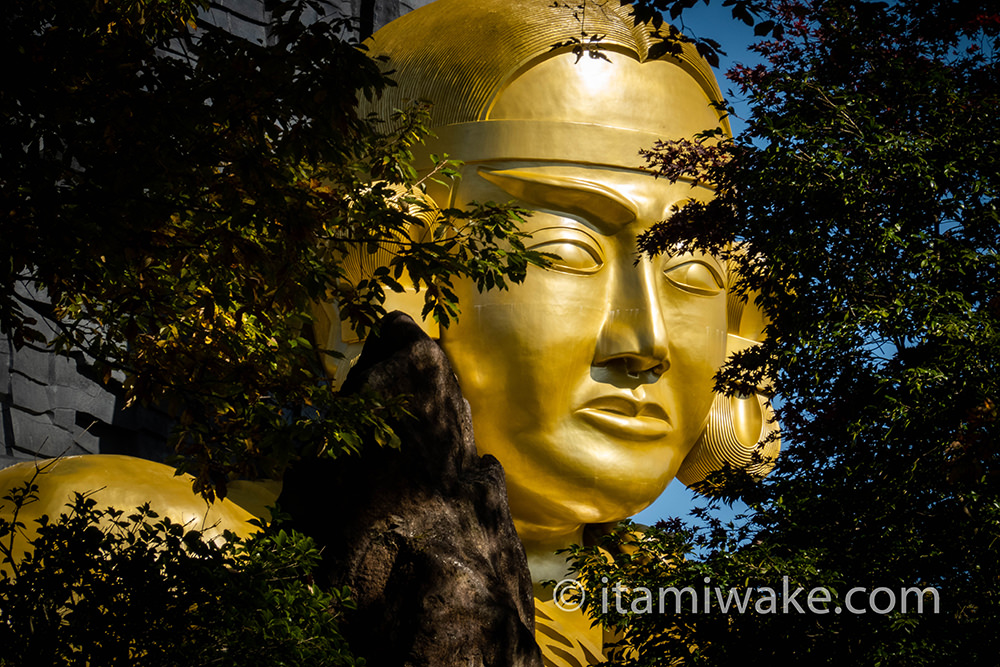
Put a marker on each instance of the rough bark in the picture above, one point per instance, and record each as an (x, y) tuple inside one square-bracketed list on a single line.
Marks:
[(422, 535)]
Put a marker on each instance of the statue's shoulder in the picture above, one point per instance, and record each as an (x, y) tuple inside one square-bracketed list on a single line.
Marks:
[(121, 482)]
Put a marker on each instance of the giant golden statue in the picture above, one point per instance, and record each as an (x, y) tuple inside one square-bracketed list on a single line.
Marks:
[(591, 382)]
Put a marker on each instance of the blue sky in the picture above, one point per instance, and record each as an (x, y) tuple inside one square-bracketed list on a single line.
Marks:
[(716, 22)]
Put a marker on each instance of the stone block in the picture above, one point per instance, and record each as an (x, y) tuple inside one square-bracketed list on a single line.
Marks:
[(38, 435), (94, 400), (66, 372), (29, 395), (64, 418), (86, 441), (63, 369), (237, 23), (34, 363), (249, 9)]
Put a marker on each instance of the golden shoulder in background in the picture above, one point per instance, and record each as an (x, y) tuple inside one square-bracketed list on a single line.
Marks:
[(124, 483)]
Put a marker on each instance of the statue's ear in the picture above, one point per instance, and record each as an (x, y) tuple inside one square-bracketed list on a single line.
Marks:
[(742, 430), (334, 333)]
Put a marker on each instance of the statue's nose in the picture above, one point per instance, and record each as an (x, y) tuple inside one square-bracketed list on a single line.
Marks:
[(633, 338)]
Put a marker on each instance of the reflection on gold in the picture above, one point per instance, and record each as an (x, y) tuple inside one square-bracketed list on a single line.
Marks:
[(592, 382)]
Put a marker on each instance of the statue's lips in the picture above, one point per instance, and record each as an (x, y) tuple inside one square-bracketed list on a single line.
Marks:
[(627, 419)]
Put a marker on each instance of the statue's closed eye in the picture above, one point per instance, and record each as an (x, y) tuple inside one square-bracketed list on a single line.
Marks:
[(696, 277), (576, 252)]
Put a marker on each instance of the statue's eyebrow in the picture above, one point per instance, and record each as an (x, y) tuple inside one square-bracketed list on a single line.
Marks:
[(603, 207)]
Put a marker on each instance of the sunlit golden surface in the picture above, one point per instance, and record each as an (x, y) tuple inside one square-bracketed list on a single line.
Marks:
[(124, 483)]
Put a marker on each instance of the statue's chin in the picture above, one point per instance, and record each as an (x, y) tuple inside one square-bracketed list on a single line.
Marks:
[(537, 511)]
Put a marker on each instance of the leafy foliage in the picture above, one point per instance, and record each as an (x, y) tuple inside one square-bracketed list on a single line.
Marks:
[(863, 198), (102, 587), (180, 196), (657, 13)]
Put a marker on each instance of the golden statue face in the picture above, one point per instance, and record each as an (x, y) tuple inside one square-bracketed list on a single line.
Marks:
[(592, 380)]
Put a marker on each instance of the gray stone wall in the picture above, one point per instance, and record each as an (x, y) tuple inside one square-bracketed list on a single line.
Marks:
[(53, 405), (248, 18)]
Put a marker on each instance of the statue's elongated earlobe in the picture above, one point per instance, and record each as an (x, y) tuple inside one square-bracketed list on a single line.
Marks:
[(742, 430)]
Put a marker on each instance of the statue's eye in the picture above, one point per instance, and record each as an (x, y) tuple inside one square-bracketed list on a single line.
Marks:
[(572, 257), (695, 276), (576, 252)]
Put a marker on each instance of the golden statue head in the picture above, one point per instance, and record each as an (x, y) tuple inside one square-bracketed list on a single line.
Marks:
[(591, 382)]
